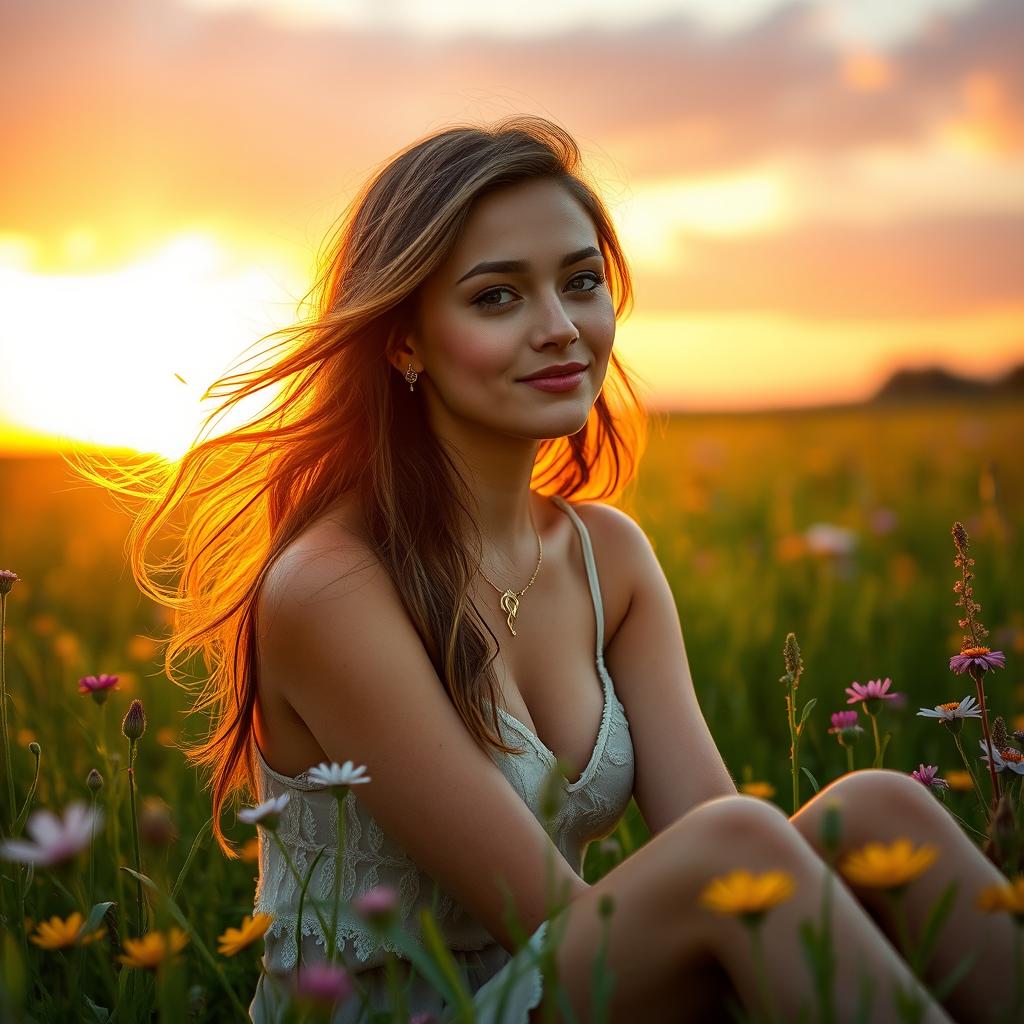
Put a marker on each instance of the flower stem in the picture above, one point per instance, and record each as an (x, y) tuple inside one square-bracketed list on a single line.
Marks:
[(339, 860), (11, 808), (141, 927), (877, 763), (19, 895), (978, 676), (794, 754), (849, 758), (974, 778)]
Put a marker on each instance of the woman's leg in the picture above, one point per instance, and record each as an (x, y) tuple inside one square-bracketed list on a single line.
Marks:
[(675, 961), (883, 805)]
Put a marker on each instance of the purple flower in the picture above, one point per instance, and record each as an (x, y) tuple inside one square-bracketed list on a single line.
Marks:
[(926, 775), (321, 982), (843, 720), (874, 689), (98, 687), (54, 839), (976, 657)]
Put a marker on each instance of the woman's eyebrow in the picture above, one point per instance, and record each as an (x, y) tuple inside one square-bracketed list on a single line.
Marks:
[(518, 266)]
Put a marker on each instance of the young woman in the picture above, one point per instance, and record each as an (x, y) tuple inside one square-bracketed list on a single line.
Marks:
[(406, 564)]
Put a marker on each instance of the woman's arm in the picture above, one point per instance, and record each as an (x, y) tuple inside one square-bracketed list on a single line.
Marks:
[(677, 763)]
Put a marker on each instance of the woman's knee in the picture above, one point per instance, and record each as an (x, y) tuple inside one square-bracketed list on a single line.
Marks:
[(880, 791), (736, 831)]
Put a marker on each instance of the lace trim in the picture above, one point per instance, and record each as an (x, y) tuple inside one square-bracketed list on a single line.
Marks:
[(548, 755)]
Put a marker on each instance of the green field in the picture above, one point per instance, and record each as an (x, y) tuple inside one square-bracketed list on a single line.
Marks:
[(727, 500)]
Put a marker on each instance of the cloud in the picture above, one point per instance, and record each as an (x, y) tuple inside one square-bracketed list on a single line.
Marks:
[(930, 267)]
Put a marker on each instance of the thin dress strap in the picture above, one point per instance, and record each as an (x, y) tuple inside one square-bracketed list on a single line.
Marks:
[(588, 558)]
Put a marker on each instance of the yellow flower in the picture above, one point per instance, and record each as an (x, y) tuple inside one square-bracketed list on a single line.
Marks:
[(250, 849), (153, 948), (747, 895), (959, 779), (765, 790), (878, 866), (235, 939), (1008, 897), (57, 933)]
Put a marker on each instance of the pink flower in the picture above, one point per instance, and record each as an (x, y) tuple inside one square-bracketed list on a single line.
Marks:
[(874, 689), (843, 720), (55, 840), (98, 686), (378, 905), (323, 983), (926, 775)]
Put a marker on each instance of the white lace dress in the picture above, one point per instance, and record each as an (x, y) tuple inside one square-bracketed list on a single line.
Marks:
[(591, 809)]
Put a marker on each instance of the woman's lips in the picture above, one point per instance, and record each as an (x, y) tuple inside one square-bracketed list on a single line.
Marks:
[(563, 382)]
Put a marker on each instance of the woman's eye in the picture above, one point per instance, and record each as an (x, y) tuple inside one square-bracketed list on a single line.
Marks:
[(482, 298)]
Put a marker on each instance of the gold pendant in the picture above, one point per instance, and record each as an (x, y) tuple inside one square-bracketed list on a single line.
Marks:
[(510, 604)]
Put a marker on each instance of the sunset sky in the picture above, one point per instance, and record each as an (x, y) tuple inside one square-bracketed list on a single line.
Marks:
[(809, 193)]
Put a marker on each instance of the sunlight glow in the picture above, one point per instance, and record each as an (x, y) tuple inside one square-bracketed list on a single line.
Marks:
[(123, 358)]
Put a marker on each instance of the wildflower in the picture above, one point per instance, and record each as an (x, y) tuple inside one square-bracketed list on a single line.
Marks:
[(94, 781), (134, 723), (745, 895), (878, 866), (873, 690), (54, 839), (235, 939), (1008, 758), (828, 540), (156, 823), (378, 906), (927, 774), (58, 934), (844, 725), (321, 982), (1008, 896), (976, 657), (98, 687), (250, 850), (764, 790), (966, 708), (958, 779), (7, 581), (153, 949), (266, 813), (334, 776)]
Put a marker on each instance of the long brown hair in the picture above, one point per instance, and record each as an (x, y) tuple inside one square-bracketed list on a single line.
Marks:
[(343, 422)]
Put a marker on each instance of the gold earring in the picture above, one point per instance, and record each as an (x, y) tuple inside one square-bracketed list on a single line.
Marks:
[(411, 376)]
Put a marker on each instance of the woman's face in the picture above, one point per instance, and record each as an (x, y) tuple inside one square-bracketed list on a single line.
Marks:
[(482, 328)]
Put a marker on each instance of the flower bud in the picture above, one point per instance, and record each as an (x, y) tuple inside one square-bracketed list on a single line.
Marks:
[(791, 655), (134, 723), (94, 780), (7, 580), (35, 749)]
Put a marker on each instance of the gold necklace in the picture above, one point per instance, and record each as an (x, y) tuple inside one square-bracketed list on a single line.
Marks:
[(510, 599)]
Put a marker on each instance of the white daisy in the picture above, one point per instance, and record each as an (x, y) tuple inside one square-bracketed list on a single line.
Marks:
[(265, 813), (334, 775), (966, 708), (1007, 758), (55, 840)]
